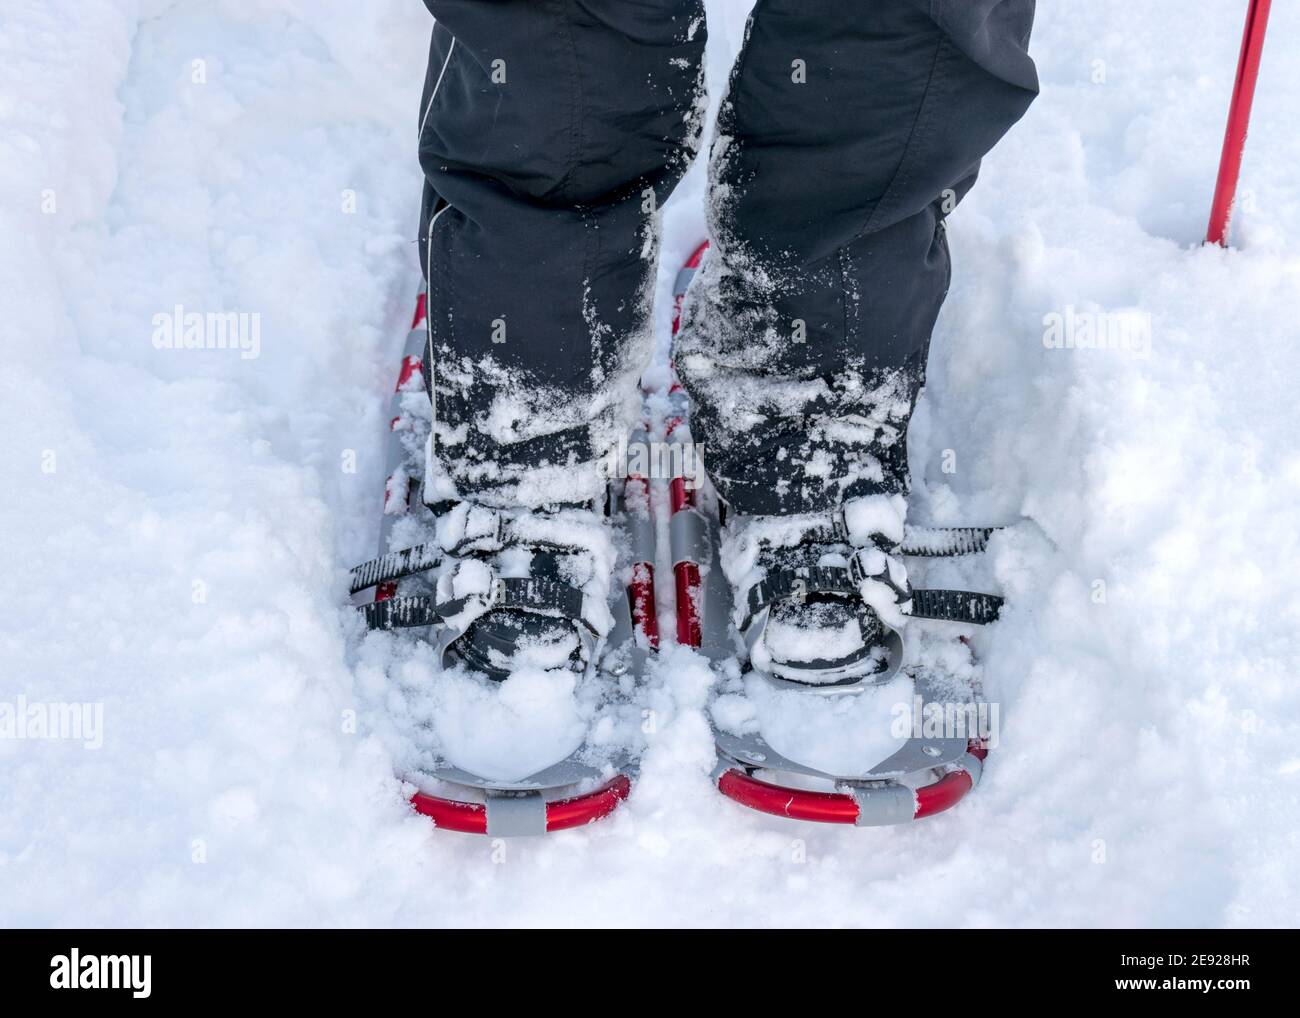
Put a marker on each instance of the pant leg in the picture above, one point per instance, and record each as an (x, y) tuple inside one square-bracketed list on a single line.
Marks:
[(551, 131), (849, 130)]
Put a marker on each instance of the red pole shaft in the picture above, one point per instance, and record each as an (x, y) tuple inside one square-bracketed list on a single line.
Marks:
[(1234, 136)]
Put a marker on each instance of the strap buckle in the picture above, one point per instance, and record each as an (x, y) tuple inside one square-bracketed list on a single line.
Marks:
[(857, 571), (487, 540), (859, 574), (840, 525)]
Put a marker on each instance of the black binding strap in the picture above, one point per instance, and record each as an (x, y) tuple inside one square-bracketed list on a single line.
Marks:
[(403, 612), (939, 605), (931, 542), (395, 565), (939, 542), (548, 597), (780, 584), (955, 606)]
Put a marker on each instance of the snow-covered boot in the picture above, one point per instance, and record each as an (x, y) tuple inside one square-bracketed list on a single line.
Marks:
[(525, 589), (817, 597), (819, 604), (502, 592)]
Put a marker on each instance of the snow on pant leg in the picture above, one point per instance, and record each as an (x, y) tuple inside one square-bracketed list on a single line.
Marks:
[(551, 132), (848, 132)]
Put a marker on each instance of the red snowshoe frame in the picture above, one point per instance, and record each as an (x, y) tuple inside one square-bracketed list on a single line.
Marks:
[(558, 815)]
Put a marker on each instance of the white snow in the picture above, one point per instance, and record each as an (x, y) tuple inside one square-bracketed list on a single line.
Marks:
[(176, 524), (837, 734), (804, 643)]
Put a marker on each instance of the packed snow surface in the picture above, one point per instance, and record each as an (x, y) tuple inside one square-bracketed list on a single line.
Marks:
[(177, 522)]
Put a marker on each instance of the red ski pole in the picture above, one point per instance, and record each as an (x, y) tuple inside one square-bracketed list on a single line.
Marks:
[(1234, 137)]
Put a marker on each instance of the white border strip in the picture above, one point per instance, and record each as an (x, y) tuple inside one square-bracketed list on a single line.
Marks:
[(436, 85)]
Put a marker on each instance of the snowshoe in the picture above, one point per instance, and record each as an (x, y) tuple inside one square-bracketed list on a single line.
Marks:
[(804, 621), (492, 591)]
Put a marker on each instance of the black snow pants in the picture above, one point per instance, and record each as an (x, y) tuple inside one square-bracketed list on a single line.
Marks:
[(551, 131)]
